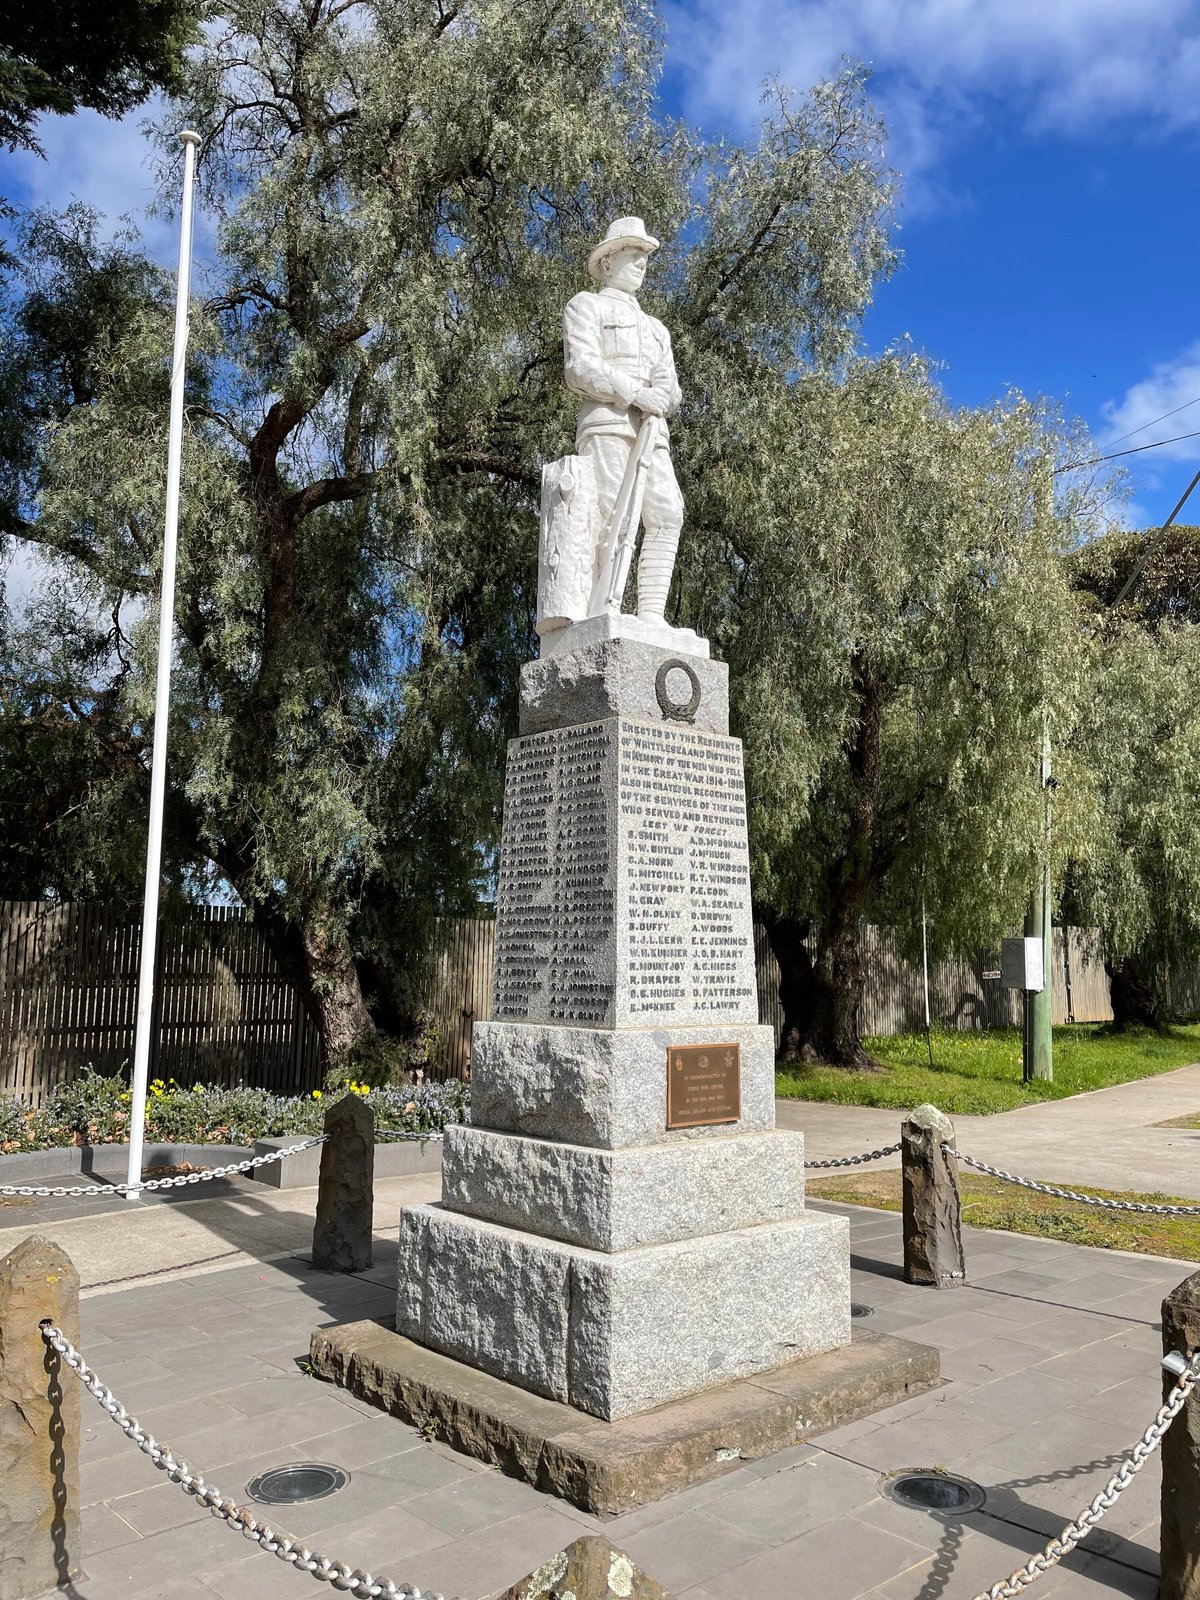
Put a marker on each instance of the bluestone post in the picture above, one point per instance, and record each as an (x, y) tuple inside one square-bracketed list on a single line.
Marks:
[(1180, 1539), (346, 1188), (933, 1249)]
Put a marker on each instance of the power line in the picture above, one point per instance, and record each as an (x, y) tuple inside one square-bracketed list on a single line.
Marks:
[(1153, 544), (1157, 420), (1073, 466)]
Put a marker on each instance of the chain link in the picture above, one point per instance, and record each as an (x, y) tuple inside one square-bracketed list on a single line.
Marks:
[(394, 1135), (208, 1495), (1052, 1553), (1073, 1194), (854, 1161), (60, 1191)]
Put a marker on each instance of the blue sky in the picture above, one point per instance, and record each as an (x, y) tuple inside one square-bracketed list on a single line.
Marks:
[(1050, 213)]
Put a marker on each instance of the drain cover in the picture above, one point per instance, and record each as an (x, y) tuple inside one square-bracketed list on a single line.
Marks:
[(305, 1480), (928, 1489), (859, 1308)]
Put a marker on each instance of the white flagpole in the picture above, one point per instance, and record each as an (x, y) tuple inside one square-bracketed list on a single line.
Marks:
[(162, 692)]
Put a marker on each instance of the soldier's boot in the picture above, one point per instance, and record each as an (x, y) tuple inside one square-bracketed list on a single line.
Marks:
[(655, 566)]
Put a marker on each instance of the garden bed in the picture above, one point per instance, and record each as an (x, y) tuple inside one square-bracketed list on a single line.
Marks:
[(93, 1112)]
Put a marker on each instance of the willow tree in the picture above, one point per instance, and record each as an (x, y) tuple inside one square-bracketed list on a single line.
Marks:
[(405, 193), (898, 621), (1138, 880)]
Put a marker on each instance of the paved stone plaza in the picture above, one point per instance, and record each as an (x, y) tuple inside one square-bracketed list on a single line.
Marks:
[(1051, 1357)]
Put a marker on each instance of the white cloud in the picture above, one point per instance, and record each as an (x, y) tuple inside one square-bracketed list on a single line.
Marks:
[(110, 165), (1064, 65), (1170, 393)]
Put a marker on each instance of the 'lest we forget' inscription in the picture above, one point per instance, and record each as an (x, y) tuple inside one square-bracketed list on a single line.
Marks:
[(704, 1085)]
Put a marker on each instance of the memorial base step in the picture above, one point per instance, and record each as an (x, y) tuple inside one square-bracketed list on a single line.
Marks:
[(615, 1335), (606, 1087), (614, 1200), (607, 1468)]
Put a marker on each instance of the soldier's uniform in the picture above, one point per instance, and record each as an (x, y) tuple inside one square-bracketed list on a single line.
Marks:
[(612, 351)]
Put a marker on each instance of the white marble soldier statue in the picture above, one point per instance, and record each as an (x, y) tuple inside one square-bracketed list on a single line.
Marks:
[(618, 360)]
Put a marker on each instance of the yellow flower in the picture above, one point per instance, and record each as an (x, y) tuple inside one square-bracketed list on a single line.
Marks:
[(316, 1094)]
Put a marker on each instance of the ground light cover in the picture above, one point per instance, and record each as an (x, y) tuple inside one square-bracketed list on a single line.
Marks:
[(975, 1072)]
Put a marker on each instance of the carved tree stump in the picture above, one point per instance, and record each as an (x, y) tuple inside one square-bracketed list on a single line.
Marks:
[(39, 1422), (933, 1250)]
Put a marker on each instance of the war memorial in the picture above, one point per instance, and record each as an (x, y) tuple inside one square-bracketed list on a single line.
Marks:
[(622, 1231)]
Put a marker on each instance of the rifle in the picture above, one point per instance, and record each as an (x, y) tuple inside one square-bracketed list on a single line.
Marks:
[(623, 524)]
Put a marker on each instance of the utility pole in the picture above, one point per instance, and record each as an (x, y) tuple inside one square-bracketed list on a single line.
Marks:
[(1039, 1031)]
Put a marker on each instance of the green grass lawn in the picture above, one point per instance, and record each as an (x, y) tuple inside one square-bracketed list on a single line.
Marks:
[(989, 1203), (975, 1072)]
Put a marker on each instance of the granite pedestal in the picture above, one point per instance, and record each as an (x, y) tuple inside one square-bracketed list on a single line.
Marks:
[(601, 1242)]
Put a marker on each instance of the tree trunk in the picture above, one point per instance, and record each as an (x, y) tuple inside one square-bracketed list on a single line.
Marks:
[(316, 958), (332, 991), (1137, 998), (786, 936), (839, 974), (821, 997)]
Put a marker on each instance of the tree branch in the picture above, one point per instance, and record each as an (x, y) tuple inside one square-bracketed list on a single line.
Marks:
[(324, 492)]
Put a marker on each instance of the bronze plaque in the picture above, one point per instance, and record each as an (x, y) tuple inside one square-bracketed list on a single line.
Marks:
[(704, 1084)]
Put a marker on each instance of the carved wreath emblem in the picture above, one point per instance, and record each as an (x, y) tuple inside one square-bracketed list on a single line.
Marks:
[(677, 710)]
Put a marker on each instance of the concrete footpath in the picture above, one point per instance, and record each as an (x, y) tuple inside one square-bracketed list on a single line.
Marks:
[(1051, 1362), (1108, 1139)]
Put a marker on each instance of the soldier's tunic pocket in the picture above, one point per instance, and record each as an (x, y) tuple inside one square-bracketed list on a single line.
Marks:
[(620, 336)]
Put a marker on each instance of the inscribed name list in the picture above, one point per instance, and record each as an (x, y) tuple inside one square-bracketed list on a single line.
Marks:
[(624, 885), (685, 883), (555, 946)]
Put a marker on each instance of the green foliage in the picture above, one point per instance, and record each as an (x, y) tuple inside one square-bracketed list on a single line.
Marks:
[(977, 1072), (377, 1060), (907, 573), (108, 55), (1137, 878)]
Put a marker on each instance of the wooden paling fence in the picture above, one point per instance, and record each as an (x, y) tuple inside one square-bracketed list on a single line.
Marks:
[(68, 991), (68, 999), (960, 995)]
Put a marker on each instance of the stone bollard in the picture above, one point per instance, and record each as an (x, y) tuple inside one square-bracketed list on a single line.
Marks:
[(1180, 1540), (39, 1422), (933, 1251), (346, 1189)]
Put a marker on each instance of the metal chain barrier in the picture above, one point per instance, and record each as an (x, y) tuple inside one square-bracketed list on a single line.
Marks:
[(853, 1161), (1188, 1374), (208, 1495), (44, 1192), (394, 1135), (1073, 1194)]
